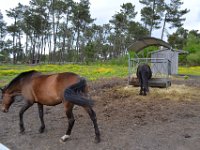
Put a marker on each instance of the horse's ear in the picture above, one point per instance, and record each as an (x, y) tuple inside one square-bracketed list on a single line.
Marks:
[(1, 90)]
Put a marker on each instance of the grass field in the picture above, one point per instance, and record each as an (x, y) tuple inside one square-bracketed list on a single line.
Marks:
[(91, 72), (189, 70)]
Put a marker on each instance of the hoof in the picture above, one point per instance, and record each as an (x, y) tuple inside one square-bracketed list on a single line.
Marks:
[(97, 139), (21, 128), (41, 130), (22, 131), (64, 138)]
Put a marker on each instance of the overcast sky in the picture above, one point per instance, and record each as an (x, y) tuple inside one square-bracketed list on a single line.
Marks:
[(103, 10)]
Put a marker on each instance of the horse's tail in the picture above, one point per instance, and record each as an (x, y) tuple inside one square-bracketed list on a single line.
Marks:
[(73, 94)]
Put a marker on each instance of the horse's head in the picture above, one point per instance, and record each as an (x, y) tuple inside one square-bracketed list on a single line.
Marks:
[(6, 100)]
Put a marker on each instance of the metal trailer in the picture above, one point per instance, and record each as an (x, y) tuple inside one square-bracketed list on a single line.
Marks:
[(160, 78)]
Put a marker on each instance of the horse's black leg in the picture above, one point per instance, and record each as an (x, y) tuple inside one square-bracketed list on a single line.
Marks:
[(71, 121), (41, 114), (92, 115), (145, 92), (21, 112), (141, 85), (141, 89), (145, 82), (145, 85)]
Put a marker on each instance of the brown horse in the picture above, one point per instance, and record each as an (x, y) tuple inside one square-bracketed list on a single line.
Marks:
[(67, 88)]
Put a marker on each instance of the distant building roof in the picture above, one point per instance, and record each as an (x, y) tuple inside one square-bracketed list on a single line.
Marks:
[(166, 49)]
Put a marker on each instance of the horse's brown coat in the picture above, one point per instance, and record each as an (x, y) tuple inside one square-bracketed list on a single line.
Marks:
[(49, 90)]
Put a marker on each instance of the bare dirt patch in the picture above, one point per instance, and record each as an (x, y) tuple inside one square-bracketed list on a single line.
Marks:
[(166, 119)]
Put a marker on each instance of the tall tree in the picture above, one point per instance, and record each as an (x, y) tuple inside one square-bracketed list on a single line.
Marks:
[(15, 30), (193, 42), (152, 14), (81, 19), (193, 46), (58, 8), (40, 9), (173, 15), (66, 34), (178, 39), (121, 22), (2, 31)]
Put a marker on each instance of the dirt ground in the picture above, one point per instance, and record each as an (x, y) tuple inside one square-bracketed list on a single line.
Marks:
[(166, 119)]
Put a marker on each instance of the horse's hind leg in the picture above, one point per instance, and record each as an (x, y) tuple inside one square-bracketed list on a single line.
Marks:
[(145, 92), (141, 89), (92, 115), (41, 114), (71, 120), (141, 85), (21, 112), (145, 86)]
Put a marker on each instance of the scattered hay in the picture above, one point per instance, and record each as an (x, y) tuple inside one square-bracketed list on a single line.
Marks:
[(175, 92)]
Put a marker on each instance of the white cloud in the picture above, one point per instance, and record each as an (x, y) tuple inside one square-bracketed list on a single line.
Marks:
[(8, 4), (103, 10), (193, 17)]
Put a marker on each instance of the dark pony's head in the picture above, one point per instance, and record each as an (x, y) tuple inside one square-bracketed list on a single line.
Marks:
[(9, 91)]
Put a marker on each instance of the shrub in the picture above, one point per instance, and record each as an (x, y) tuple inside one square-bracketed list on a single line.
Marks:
[(194, 59)]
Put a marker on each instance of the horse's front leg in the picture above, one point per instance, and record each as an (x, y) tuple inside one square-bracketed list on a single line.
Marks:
[(145, 86), (41, 115), (145, 92), (92, 115), (71, 120), (141, 86), (21, 112)]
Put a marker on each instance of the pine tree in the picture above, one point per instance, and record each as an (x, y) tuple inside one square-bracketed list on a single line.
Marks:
[(2, 31), (152, 14), (174, 15)]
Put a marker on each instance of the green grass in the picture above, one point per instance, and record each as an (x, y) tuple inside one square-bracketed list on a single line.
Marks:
[(189, 70), (91, 72)]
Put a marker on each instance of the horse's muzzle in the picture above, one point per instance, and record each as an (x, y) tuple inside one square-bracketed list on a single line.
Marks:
[(4, 110)]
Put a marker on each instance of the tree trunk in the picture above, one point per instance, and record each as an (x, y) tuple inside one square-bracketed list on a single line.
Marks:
[(77, 45), (14, 48), (163, 29), (50, 47), (26, 49), (152, 17)]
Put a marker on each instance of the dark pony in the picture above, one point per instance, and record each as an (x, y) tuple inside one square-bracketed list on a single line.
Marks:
[(67, 88), (144, 73)]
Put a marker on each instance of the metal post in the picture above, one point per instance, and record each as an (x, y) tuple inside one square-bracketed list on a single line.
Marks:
[(129, 68)]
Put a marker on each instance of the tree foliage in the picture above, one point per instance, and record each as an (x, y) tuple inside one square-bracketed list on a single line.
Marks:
[(152, 14), (63, 30), (188, 41), (173, 15)]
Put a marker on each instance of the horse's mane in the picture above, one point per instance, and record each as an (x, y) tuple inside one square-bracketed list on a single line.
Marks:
[(19, 77)]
